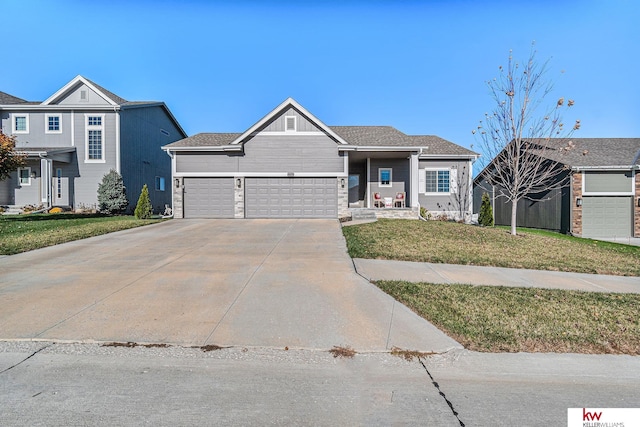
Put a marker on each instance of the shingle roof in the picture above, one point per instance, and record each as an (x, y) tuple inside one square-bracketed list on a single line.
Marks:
[(595, 152), (117, 99), (5, 98), (364, 136)]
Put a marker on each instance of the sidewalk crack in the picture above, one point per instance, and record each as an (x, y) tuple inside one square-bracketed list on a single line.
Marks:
[(26, 358), (437, 386)]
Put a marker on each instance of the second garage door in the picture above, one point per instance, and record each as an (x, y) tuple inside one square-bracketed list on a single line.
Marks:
[(606, 216), (291, 198)]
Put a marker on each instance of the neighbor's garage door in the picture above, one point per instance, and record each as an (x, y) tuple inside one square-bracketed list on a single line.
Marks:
[(606, 216), (291, 198), (208, 198)]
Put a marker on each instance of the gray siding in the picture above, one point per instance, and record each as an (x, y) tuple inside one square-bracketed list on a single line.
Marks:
[(142, 158), (270, 154), (37, 136), (6, 190), (302, 123), (447, 202), (608, 182)]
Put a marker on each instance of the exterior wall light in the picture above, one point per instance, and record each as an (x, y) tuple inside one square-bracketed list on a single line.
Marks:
[(33, 174), (238, 183), (578, 202), (342, 182), (177, 181)]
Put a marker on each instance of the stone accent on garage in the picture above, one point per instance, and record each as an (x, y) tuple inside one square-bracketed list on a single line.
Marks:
[(391, 213), (576, 211), (238, 197), (636, 208), (178, 197)]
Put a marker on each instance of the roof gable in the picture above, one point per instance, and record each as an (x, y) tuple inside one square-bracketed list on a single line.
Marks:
[(280, 111), (82, 91)]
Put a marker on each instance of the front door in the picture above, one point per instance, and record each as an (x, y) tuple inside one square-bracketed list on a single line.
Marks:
[(354, 188), (60, 189)]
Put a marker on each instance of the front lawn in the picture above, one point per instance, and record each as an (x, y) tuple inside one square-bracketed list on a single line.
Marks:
[(21, 233), (500, 319), (453, 243)]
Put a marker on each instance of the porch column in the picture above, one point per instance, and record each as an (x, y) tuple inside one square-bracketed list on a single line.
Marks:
[(368, 193), (413, 173), (46, 180)]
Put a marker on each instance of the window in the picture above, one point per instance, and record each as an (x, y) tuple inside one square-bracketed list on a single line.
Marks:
[(53, 123), (290, 123), (159, 183), (24, 175), (20, 123), (59, 182), (384, 177), (95, 139), (437, 181)]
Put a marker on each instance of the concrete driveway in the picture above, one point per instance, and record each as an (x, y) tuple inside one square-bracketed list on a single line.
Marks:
[(269, 283)]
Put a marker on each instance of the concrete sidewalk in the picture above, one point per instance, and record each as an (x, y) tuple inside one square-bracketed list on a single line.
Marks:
[(374, 269)]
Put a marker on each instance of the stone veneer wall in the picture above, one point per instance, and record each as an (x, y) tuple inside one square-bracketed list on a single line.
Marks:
[(343, 199), (636, 208), (576, 211), (177, 197)]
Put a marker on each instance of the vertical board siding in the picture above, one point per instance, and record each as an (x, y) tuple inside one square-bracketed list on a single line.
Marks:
[(142, 158)]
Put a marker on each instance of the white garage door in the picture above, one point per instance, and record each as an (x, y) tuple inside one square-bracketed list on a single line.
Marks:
[(291, 198), (208, 198), (606, 216)]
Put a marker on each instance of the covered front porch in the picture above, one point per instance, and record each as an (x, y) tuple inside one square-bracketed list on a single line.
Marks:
[(383, 183)]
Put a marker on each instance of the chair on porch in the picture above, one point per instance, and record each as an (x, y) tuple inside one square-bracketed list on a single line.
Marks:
[(399, 200), (378, 201)]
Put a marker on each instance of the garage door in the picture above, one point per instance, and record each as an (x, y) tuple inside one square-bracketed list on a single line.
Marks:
[(291, 198), (208, 198), (606, 216)]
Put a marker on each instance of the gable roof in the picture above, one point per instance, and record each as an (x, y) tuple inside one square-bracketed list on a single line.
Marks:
[(5, 98), (108, 96), (598, 152)]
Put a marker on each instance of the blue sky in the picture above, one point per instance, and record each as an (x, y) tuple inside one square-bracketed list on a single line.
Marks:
[(420, 66)]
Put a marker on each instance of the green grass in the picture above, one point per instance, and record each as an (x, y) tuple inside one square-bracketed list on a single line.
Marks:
[(453, 243), (500, 319), (23, 233)]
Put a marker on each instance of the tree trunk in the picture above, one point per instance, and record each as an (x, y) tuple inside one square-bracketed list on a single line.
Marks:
[(514, 212)]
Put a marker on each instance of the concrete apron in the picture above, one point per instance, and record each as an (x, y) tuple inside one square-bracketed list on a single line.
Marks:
[(270, 283)]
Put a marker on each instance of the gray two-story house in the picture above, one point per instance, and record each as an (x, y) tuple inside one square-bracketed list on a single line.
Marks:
[(76, 136), (290, 164)]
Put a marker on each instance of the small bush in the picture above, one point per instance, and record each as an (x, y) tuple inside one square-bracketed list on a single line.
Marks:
[(144, 210), (485, 218), (55, 210), (112, 198)]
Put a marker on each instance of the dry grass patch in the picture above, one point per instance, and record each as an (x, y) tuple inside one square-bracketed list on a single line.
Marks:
[(409, 355), (501, 319), (346, 352), (453, 243)]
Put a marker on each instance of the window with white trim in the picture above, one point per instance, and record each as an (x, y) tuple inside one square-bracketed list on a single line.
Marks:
[(94, 138), (24, 176), (20, 123), (290, 123), (52, 123), (437, 181), (159, 183), (385, 177)]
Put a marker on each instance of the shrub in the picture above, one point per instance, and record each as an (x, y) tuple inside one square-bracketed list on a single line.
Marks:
[(112, 198), (485, 218), (144, 210), (55, 210)]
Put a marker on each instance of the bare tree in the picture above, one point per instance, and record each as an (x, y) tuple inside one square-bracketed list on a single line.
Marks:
[(522, 135)]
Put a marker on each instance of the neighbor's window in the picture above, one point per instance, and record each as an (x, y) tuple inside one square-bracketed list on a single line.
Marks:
[(437, 181), (53, 124), (95, 140), (24, 174), (20, 123), (159, 183), (384, 177)]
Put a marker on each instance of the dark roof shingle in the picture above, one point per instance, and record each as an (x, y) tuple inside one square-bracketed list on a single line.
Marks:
[(5, 99)]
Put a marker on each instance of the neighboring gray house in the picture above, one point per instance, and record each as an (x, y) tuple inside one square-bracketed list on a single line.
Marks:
[(291, 165), (73, 138), (597, 195)]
